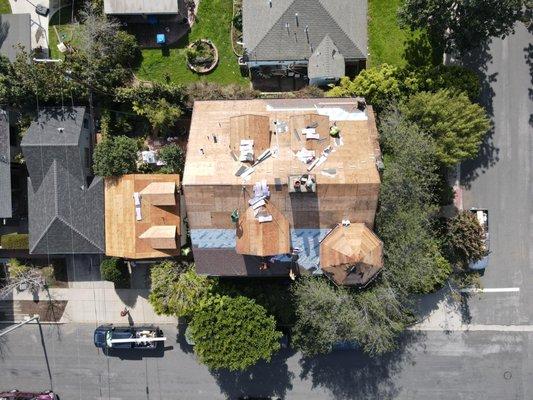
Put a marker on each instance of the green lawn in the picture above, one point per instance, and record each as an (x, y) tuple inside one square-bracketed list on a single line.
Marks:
[(213, 22), (386, 39), (5, 8), (66, 31)]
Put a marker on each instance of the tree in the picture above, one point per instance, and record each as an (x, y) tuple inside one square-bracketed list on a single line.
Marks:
[(160, 113), (177, 289), (324, 316), (378, 85), (462, 24), (20, 275), (466, 238), (174, 157), (457, 124), (115, 156), (233, 333)]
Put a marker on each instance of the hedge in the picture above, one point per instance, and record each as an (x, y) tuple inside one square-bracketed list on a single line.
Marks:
[(15, 241)]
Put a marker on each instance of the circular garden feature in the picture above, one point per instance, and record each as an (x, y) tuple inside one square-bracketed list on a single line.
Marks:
[(202, 56)]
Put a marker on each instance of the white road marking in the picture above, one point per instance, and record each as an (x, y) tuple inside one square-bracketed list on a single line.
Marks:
[(474, 327), (490, 290)]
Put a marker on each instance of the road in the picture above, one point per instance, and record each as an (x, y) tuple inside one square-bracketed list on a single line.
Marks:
[(431, 365), (501, 179)]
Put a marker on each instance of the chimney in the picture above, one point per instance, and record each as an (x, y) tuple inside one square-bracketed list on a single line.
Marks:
[(296, 17)]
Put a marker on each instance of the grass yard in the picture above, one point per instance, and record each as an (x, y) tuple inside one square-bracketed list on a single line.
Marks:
[(5, 8), (386, 39), (66, 31), (213, 22)]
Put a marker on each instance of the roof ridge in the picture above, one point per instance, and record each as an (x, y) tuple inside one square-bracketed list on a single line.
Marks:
[(44, 233), (78, 232), (341, 29)]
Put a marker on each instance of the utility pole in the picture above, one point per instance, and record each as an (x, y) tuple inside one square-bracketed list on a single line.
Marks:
[(12, 328)]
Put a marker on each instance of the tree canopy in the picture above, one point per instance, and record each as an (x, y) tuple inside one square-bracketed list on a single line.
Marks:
[(233, 333), (457, 124), (174, 157), (462, 24), (466, 238), (115, 156)]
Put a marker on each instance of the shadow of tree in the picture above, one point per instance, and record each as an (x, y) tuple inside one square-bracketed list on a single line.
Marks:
[(354, 375), (262, 380), (529, 61), (478, 60)]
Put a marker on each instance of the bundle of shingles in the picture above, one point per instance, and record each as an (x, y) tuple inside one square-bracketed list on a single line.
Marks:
[(258, 202)]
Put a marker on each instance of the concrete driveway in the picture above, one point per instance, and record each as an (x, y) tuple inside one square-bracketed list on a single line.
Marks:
[(39, 24)]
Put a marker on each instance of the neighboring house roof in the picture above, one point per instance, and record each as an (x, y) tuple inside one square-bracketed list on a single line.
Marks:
[(272, 31), (14, 30), (5, 168), (65, 211), (149, 227), (326, 61), (351, 255), (140, 6)]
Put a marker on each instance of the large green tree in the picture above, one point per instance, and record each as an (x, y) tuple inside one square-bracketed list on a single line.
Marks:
[(462, 24), (115, 156), (233, 333), (161, 114), (457, 124), (174, 158)]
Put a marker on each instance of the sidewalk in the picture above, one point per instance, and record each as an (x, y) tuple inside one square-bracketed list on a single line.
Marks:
[(39, 24)]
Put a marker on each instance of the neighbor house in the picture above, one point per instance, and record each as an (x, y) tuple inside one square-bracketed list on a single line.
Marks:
[(6, 207), (142, 216), (15, 33), (153, 23), (318, 40), (283, 187), (65, 201)]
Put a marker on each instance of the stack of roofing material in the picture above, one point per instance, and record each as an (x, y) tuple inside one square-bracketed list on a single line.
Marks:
[(137, 201), (247, 150)]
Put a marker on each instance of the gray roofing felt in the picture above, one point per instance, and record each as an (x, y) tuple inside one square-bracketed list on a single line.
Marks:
[(14, 30), (5, 168), (140, 6), (326, 61), (65, 215), (271, 30)]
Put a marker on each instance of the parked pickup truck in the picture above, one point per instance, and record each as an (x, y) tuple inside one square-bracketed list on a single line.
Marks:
[(127, 337), (17, 395), (482, 216)]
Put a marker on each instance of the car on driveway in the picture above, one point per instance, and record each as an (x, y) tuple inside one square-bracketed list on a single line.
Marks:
[(18, 395)]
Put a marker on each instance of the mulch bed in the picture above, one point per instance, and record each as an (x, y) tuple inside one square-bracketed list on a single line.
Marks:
[(48, 311)]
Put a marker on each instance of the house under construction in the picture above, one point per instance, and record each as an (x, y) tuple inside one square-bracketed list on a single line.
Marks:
[(283, 187)]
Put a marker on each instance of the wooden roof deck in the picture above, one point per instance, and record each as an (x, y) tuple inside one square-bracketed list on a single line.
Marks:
[(210, 162), (346, 247), (123, 231), (263, 239)]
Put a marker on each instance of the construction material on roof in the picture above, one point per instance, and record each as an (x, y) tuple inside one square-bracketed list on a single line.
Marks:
[(123, 230), (250, 127), (161, 237), (305, 183), (160, 193), (246, 150), (263, 234), (137, 202), (351, 254)]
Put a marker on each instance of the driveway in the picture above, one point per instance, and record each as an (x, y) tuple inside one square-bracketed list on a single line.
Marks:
[(39, 24)]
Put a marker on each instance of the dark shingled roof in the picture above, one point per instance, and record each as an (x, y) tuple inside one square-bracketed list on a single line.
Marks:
[(65, 213), (271, 30), (5, 168), (14, 30)]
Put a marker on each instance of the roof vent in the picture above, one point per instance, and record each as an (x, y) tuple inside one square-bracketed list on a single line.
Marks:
[(270, 3), (296, 17), (60, 130), (287, 26)]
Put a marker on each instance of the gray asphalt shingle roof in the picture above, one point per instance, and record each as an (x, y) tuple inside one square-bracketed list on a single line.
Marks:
[(274, 33), (5, 168), (14, 30), (326, 61), (66, 215)]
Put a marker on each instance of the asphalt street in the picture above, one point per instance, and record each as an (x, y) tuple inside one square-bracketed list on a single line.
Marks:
[(430, 365), (501, 179)]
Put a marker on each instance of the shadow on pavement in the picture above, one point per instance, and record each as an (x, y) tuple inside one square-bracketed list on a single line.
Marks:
[(478, 61), (529, 61), (353, 375), (127, 354), (262, 380)]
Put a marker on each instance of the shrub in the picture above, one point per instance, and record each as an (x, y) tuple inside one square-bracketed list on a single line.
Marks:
[(17, 269), (115, 156), (114, 270), (15, 241), (233, 333), (466, 238), (204, 90)]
